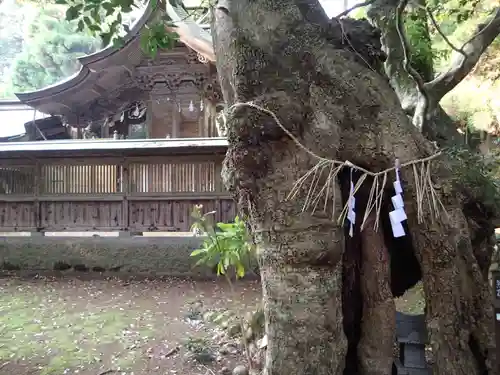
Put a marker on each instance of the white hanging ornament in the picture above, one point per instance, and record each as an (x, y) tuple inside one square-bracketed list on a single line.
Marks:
[(398, 215), (351, 214), (136, 112), (191, 106)]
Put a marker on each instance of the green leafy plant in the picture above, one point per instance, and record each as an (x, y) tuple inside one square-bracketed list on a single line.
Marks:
[(227, 245)]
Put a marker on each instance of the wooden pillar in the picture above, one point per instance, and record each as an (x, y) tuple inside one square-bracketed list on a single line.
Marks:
[(79, 134), (218, 185), (36, 194), (125, 189), (161, 115), (32, 132), (105, 129), (125, 127), (204, 119), (176, 120), (149, 118), (212, 128)]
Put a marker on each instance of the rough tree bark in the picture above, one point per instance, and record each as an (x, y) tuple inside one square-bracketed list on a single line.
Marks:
[(376, 345), (276, 54)]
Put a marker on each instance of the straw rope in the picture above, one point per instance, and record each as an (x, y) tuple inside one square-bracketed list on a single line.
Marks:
[(423, 183)]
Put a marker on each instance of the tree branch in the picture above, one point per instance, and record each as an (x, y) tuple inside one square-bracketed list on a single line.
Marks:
[(440, 32), (463, 63), (382, 14), (406, 46), (421, 113)]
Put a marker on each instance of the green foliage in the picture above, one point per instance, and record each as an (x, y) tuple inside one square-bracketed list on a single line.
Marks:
[(474, 102), (421, 53), (458, 20), (102, 18), (227, 244), (457, 11), (479, 174), (50, 51), (13, 17), (155, 37), (106, 20)]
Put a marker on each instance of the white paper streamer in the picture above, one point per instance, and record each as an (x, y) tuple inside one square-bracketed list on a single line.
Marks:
[(398, 215), (351, 214)]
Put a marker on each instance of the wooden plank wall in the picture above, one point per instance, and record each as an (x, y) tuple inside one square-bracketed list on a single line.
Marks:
[(136, 194)]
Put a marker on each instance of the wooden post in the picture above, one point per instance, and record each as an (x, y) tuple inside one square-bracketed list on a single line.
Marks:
[(218, 186), (125, 190), (105, 129), (78, 129), (149, 118), (211, 130), (203, 119), (36, 193), (176, 119)]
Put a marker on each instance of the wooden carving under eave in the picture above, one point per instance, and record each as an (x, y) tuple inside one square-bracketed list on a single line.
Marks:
[(212, 90)]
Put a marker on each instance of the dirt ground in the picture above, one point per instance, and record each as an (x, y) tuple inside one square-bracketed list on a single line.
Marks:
[(91, 327), (59, 326)]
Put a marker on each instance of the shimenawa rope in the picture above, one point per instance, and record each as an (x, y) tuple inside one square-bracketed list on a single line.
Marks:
[(423, 182)]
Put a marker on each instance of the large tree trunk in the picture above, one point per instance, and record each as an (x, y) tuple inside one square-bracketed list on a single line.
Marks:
[(271, 54)]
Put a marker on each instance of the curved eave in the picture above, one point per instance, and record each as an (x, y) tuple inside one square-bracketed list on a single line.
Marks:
[(90, 66), (73, 81)]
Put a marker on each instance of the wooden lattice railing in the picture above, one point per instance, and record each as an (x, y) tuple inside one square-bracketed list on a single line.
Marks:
[(134, 194)]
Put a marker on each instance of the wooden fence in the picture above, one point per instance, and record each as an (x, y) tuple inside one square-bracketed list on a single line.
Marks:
[(109, 194)]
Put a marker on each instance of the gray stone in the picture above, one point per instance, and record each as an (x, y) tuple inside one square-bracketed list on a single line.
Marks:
[(414, 355), (240, 370), (401, 370), (411, 335), (204, 357), (223, 351), (411, 328)]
